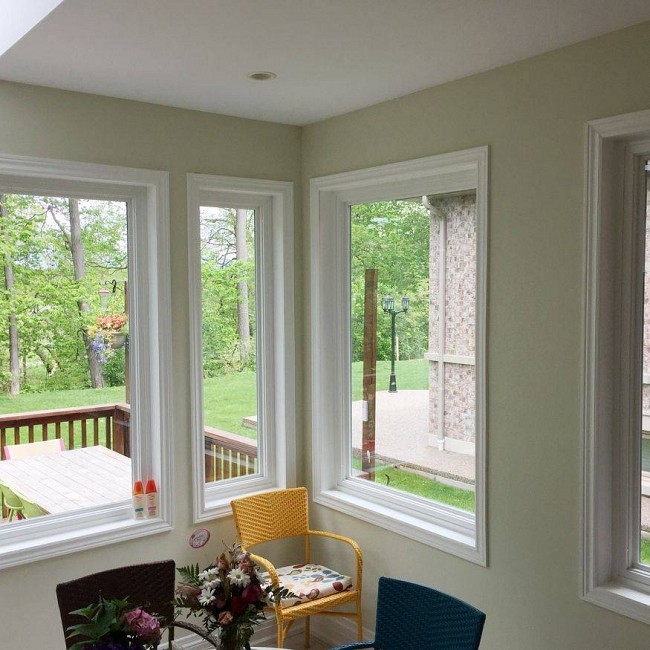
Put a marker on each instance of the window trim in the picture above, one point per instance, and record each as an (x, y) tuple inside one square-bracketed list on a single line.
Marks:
[(273, 203), (437, 525), (611, 574), (146, 192)]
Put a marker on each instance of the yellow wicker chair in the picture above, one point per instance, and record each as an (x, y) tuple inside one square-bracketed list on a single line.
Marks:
[(281, 514)]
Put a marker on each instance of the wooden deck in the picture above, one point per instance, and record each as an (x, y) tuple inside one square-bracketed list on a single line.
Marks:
[(227, 455)]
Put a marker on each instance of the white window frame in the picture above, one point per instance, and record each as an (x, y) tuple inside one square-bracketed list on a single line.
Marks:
[(615, 236), (460, 533), (146, 193), (272, 202)]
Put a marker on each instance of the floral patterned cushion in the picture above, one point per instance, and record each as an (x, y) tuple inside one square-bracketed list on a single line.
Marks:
[(311, 581)]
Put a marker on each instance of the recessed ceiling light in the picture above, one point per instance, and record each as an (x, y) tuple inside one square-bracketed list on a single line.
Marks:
[(262, 76)]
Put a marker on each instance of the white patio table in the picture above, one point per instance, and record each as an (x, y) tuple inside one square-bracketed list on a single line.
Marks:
[(70, 480)]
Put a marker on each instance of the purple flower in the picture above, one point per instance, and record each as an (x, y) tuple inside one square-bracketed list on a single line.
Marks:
[(144, 625)]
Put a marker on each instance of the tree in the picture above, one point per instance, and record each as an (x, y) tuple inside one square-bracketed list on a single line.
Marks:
[(242, 286), (75, 244), (14, 358), (393, 237), (227, 320)]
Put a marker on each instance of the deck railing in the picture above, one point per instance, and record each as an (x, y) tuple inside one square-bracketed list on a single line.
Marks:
[(82, 426), (227, 455)]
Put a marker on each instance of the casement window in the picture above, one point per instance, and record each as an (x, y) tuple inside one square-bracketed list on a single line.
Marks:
[(616, 514), (242, 339), (398, 347), (75, 236)]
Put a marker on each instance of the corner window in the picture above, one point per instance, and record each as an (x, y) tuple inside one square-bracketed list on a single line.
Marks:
[(398, 334), (241, 307), (85, 411), (616, 553)]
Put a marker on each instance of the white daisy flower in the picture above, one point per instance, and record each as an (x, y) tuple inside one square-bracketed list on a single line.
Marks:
[(213, 584), (238, 577), (206, 596), (207, 575)]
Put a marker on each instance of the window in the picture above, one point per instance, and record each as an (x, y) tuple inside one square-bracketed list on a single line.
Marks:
[(241, 310), (616, 554), (86, 264), (398, 340)]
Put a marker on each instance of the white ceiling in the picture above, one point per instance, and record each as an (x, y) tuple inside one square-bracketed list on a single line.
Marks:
[(331, 56)]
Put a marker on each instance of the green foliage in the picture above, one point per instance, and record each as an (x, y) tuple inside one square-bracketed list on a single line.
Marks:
[(222, 274), (45, 298), (392, 237), (115, 624), (102, 619), (113, 369)]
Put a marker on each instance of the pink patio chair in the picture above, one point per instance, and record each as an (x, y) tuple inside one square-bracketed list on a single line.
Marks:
[(30, 449)]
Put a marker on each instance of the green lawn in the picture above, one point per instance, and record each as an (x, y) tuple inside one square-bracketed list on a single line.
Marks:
[(645, 551), (60, 399), (410, 375), (424, 487), (228, 399)]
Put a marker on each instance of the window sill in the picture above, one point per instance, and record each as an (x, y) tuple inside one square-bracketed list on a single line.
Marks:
[(458, 539), (219, 495), (35, 540), (623, 597)]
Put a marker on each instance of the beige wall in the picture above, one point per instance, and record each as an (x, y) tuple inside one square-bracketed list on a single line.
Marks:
[(56, 124), (532, 116)]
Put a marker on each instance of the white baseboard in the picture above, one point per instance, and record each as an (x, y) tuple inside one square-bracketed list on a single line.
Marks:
[(335, 631), (265, 635), (330, 631)]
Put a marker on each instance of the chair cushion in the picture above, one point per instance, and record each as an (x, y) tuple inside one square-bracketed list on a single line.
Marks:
[(311, 581)]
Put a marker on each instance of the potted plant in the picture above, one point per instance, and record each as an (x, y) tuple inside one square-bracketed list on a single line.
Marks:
[(115, 625)]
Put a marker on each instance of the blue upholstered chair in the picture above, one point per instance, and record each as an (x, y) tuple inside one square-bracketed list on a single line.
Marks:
[(414, 617)]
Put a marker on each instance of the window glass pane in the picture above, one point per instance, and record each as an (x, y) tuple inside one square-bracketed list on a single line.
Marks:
[(645, 417), (413, 306), (64, 404), (229, 342)]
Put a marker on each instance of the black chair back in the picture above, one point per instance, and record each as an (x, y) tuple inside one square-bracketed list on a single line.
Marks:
[(415, 617), (147, 585)]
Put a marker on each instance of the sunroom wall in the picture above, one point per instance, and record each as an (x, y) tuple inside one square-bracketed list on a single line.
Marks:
[(532, 116), (50, 123)]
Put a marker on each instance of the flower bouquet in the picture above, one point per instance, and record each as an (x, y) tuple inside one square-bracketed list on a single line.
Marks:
[(108, 333), (229, 596), (116, 625)]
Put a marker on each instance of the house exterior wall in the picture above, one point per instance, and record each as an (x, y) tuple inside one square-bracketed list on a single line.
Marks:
[(459, 296)]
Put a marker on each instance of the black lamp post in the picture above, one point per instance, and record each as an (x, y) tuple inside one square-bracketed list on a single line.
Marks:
[(388, 305)]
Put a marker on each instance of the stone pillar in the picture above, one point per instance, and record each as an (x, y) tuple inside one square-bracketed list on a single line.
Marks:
[(452, 318)]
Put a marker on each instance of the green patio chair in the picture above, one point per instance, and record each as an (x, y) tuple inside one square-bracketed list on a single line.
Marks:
[(13, 503), (30, 509)]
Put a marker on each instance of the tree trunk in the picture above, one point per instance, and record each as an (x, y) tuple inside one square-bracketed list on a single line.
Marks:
[(14, 357), (79, 267), (243, 317), (47, 359)]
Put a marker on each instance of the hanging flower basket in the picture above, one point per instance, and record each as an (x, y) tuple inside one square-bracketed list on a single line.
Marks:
[(117, 340), (108, 333)]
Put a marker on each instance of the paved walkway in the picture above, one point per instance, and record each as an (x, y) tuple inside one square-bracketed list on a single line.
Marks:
[(402, 435)]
